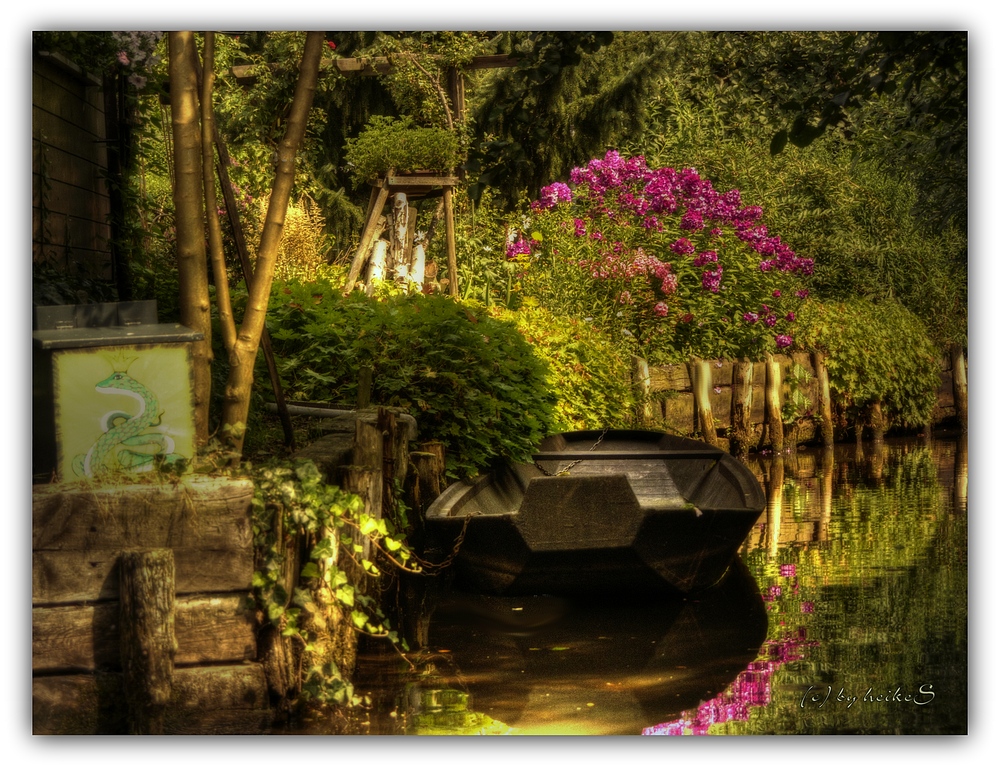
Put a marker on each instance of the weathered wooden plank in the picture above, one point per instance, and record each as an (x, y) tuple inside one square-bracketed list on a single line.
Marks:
[(67, 576), (82, 703), (216, 628), (227, 699), (199, 511), (423, 181), (674, 377)]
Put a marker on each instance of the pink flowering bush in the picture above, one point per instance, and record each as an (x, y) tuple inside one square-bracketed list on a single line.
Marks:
[(661, 258)]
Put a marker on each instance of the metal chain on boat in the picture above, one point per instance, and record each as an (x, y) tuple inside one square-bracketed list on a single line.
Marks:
[(431, 569), (565, 470)]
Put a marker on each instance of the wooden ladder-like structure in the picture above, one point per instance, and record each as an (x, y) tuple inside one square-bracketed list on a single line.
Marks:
[(404, 188)]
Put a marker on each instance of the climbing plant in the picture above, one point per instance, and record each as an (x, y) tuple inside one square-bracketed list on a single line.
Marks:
[(292, 499)]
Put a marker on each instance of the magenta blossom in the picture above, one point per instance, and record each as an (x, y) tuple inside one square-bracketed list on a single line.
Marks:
[(783, 341), (518, 248), (552, 195)]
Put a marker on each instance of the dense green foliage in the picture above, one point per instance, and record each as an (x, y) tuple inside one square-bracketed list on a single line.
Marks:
[(471, 381), (869, 361), (586, 372), (387, 144), (857, 217)]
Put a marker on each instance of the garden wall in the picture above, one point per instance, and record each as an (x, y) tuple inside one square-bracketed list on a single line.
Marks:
[(78, 617)]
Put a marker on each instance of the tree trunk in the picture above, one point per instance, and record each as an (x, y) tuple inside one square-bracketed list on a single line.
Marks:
[(449, 235), (192, 263), (825, 406), (241, 361), (148, 644), (742, 409), (774, 428), (217, 256), (960, 386)]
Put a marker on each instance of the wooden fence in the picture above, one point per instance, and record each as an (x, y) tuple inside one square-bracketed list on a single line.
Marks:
[(668, 395)]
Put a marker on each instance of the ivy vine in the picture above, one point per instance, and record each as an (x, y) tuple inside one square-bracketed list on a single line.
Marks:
[(292, 500)]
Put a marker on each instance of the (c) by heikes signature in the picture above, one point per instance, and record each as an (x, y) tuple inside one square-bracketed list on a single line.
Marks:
[(819, 696)]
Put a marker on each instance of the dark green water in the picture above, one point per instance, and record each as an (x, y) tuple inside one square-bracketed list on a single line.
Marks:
[(847, 614)]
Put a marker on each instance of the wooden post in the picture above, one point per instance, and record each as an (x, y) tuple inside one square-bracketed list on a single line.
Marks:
[(774, 428), (367, 236), (961, 476), (960, 386), (742, 408), (449, 233), (825, 405), (826, 494), (641, 388), (700, 374), (879, 422), (364, 386), (366, 482), (148, 644)]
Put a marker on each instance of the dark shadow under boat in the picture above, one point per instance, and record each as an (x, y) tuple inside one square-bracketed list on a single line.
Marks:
[(600, 512), (613, 667)]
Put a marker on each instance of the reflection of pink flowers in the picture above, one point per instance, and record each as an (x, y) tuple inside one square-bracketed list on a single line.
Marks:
[(752, 688), (807, 607), (787, 570), (773, 593)]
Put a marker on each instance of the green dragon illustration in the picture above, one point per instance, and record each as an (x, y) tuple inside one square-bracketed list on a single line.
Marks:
[(121, 430)]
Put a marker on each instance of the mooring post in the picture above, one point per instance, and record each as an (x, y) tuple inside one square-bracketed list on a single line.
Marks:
[(641, 389), (148, 644)]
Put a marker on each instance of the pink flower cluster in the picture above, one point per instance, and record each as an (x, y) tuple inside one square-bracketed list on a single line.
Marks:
[(519, 247), (617, 203), (552, 195)]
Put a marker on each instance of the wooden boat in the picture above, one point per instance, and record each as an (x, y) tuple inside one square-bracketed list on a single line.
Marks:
[(600, 512)]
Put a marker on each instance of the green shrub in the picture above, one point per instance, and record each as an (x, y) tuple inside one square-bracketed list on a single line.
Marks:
[(587, 374), (398, 144), (875, 353), (471, 381)]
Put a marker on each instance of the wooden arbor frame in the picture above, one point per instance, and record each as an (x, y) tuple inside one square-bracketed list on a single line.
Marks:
[(404, 188)]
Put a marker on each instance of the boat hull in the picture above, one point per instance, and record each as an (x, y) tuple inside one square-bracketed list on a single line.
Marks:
[(651, 513)]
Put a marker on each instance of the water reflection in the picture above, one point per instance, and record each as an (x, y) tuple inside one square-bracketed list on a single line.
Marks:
[(862, 560), (852, 585), (545, 665)]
